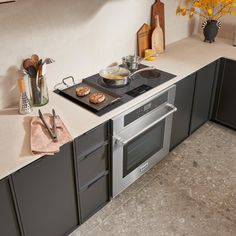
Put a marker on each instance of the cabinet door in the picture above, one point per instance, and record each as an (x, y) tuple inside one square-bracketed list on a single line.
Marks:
[(46, 195), (8, 220), (202, 96), (226, 101), (183, 102)]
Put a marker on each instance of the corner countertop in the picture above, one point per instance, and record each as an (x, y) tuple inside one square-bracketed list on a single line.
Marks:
[(181, 58)]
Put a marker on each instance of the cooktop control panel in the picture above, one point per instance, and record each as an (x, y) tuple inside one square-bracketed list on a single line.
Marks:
[(139, 90)]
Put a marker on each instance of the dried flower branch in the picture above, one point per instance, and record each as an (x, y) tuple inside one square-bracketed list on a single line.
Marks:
[(208, 9)]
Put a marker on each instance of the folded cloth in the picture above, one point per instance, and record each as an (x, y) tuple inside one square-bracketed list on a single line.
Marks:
[(40, 139)]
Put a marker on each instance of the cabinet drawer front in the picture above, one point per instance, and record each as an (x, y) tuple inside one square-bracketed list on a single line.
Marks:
[(89, 141), (93, 165), (94, 197)]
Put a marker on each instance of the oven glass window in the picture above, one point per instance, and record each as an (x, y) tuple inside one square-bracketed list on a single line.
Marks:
[(142, 147)]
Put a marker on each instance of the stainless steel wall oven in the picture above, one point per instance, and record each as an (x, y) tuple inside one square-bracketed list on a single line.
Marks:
[(141, 138)]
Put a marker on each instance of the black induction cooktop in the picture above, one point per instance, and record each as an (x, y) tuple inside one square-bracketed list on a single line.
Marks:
[(139, 84)]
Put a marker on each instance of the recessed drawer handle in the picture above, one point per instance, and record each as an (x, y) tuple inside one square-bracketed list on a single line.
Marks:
[(94, 181), (94, 150)]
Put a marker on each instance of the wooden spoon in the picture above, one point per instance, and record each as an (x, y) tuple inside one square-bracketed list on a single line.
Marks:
[(27, 63), (35, 59)]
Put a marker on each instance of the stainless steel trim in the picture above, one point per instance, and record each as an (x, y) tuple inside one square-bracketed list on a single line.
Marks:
[(143, 167), (120, 140), (122, 133), (52, 134), (54, 127), (118, 121)]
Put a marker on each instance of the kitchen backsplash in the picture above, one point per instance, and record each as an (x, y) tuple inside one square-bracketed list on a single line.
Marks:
[(82, 36)]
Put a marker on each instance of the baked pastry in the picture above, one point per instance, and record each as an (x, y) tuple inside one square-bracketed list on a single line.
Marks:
[(82, 91), (97, 98)]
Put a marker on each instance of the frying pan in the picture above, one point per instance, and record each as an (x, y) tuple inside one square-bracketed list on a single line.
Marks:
[(120, 77)]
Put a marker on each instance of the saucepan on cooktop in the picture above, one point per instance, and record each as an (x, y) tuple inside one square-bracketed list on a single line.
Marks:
[(119, 76)]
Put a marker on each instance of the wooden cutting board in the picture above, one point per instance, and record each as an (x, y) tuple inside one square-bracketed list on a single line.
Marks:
[(158, 8), (144, 36)]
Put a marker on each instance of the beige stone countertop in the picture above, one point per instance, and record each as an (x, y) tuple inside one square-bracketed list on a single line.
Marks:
[(181, 58)]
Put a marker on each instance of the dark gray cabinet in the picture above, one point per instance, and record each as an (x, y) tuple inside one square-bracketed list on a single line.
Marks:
[(182, 118), (93, 167), (225, 101), (46, 194), (203, 96), (8, 220), (194, 99)]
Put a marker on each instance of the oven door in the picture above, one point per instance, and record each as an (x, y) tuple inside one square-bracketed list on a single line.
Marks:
[(140, 146), (139, 149)]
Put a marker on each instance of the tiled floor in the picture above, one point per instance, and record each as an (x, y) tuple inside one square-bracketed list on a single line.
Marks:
[(192, 192)]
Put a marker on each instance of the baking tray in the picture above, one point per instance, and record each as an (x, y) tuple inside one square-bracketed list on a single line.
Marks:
[(70, 93)]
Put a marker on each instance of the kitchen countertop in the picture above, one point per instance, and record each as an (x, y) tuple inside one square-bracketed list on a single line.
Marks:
[(181, 58)]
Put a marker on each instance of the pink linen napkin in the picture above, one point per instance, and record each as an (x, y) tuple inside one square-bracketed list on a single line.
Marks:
[(40, 139)]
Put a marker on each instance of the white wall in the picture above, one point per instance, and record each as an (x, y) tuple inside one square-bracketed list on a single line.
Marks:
[(228, 26), (81, 35)]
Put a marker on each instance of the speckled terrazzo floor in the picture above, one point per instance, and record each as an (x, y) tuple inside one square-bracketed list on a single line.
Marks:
[(192, 192)]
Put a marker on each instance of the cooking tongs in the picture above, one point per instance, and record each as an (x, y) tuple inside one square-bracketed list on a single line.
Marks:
[(53, 131)]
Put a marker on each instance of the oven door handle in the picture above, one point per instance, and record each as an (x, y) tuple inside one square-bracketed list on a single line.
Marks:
[(121, 141)]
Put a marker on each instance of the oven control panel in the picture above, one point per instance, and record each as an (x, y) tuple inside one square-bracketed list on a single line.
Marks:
[(146, 108)]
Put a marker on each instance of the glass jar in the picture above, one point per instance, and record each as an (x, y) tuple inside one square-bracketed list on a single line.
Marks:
[(38, 91)]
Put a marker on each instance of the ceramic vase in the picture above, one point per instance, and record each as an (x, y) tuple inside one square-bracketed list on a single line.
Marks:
[(210, 30)]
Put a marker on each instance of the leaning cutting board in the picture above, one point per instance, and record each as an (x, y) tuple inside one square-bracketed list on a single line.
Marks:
[(144, 36), (158, 8)]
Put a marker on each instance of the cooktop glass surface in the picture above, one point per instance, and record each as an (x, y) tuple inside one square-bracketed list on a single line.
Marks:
[(138, 84), (149, 78)]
